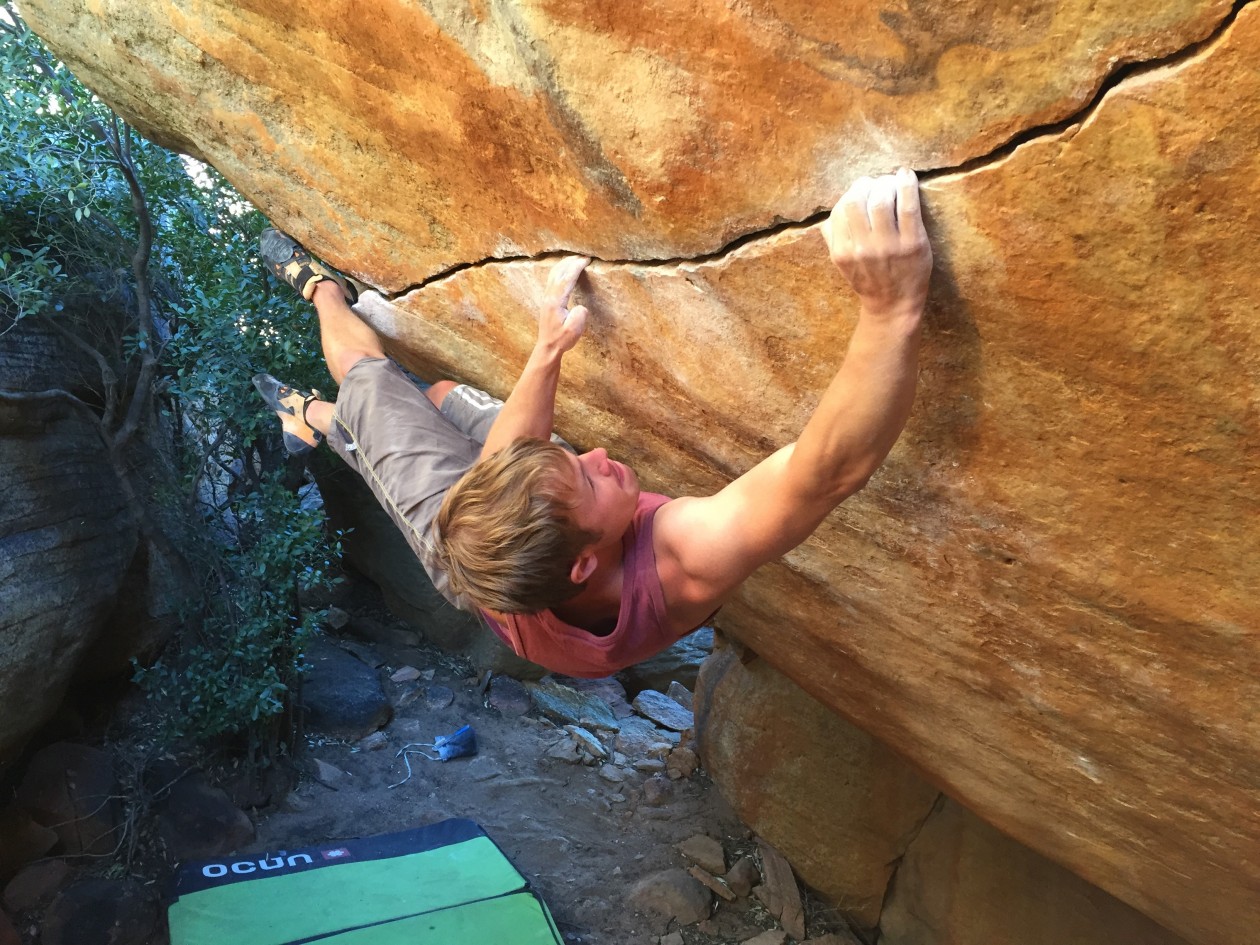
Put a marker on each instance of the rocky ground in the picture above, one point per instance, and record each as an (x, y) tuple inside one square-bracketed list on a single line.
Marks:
[(596, 795)]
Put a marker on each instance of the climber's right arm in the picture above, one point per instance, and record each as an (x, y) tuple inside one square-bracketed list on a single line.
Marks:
[(530, 409), (707, 546)]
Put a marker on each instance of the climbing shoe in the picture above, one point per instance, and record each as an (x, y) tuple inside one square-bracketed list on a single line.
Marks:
[(290, 405), (291, 263)]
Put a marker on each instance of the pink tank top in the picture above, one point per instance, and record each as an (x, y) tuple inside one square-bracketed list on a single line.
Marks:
[(642, 628)]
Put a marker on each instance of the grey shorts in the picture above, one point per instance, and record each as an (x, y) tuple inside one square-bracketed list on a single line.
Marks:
[(408, 451)]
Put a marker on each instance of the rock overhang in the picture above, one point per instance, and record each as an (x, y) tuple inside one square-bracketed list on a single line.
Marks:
[(1045, 597)]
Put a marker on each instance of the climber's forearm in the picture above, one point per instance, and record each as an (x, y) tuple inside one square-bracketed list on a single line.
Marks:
[(864, 409), (530, 409)]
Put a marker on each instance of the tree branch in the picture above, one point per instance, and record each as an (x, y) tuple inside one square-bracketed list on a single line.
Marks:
[(140, 399), (108, 377)]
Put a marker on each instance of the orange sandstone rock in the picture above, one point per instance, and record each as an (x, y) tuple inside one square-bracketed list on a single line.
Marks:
[(1046, 600), (406, 138)]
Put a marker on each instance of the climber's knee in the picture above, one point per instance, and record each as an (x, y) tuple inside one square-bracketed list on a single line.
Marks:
[(437, 392)]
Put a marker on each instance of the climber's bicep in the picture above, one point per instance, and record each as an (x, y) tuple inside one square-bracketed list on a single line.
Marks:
[(707, 546)]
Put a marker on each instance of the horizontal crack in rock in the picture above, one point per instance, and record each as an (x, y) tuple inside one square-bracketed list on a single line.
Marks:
[(1107, 84)]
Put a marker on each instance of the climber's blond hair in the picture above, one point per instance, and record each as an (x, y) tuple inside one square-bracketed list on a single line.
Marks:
[(505, 535)]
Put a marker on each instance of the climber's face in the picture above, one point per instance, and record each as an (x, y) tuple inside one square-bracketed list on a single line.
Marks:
[(606, 493)]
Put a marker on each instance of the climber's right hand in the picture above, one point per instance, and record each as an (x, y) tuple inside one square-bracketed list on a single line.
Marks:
[(560, 327), (876, 238)]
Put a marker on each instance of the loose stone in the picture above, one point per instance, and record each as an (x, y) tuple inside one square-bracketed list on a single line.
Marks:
[(663, 710)]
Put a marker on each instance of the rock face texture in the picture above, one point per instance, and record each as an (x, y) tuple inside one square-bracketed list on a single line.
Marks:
[(862, 827), (1046, 600), (66, 542), (433, 134), (962, 881), (836, 802)]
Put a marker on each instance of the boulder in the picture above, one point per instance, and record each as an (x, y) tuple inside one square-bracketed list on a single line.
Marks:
[(66, 542), (72, 790), (36, 885), (1045, 599), (102, 912), (672, 895), (836, 802), (342, 695), (963, 883), (22, 840), (199, 821)]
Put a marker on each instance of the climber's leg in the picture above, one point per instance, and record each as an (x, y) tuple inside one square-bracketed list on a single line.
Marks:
[(345, 337)]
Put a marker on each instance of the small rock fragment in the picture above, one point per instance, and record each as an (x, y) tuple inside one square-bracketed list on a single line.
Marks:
[(680, 694), (663, 710), (772, 937), (705, 852), (657, 790), (565, 750), (608, 690), (386, 634), (483, 768), (587, 741), (508, 696), (565, 704), (712, 882), (673, 938), (639, 737), (374, 742), (681, 763), (407, 696), (779, 892), (405, 674), (336, 619), (743, 876), (650, 766), (674, 895), (612, 774), (328, 775), (438, 697)]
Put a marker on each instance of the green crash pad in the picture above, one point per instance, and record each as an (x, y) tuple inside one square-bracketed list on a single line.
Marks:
[(444, 883)]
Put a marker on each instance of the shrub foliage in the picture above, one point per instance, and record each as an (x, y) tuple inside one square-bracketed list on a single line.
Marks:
[(90, 210)]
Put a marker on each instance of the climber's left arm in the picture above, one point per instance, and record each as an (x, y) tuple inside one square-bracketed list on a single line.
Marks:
[(530, 408), (706, 546)]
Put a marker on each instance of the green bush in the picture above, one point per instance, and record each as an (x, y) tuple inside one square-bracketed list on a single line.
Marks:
[(89, 210)]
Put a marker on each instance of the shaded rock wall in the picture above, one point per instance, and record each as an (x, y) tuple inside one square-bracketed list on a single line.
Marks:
[(66, 540), (1046, 599), (839, 804), (80, 594), (861, 827)]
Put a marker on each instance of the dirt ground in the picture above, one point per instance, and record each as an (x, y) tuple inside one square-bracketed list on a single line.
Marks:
[(581, 840)]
